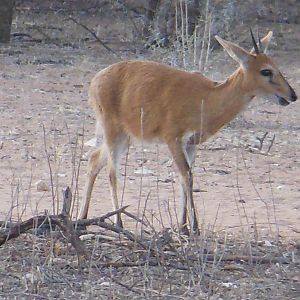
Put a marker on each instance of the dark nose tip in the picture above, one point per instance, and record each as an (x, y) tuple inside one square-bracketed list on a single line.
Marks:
[(293, 95)]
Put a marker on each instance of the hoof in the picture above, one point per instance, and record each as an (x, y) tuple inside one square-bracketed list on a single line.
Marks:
[(195, 231), (195, 227)]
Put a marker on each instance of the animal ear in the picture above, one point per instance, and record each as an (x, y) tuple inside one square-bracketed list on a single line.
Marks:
[(236, 52), (265, 41)]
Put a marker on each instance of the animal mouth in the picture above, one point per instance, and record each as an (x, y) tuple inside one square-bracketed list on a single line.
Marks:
[(282, 101)]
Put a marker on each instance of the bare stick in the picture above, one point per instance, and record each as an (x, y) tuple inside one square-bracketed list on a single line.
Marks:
[(129, 235), (94, 221), (246, 258), (67, 228), (128, 214), (182, 33), (67, 202), (65, 224), (50, 167), (209, 38), (95, 36), (271, 144), (261, 140)]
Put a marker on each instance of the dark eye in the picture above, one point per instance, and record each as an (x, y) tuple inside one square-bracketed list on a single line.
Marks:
[(266, 72)]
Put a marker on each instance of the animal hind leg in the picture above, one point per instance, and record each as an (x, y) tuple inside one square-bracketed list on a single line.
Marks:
[(190, 148), (97, 160), (115, 150)]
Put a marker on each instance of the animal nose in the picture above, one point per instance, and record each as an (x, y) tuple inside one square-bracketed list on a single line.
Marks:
[(293, 95)]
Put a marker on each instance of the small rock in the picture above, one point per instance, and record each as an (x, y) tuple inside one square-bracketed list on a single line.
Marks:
[(61, 175), (42, 186)]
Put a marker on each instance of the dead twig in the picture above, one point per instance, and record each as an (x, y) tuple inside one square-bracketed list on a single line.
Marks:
[(128, 214), (69, 232), (271, 143), (82, 223), (67, 202), (245, 258), (94, 35), (261, 140), (129, 235), (129, 288), (67, 226)]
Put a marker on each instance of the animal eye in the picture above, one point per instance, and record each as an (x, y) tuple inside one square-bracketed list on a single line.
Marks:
[(266, 72)]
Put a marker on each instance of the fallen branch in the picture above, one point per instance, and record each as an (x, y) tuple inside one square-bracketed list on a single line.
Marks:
[(16, 230), (67, 226), (35, 222)]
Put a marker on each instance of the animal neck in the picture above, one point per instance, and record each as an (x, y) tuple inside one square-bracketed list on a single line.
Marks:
[(235, 85), (226, 101)]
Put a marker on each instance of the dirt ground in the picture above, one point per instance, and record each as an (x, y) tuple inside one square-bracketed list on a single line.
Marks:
[(45, 118)]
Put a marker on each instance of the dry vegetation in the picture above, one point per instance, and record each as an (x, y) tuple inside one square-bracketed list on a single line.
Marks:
[(56, 48)]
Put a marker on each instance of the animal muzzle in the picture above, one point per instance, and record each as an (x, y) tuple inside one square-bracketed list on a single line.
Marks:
[(286, 101), (293, 96)]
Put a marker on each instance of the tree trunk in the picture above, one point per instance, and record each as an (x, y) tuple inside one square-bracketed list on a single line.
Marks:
[(6, 13)]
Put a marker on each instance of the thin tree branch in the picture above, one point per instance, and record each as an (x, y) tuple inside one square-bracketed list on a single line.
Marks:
[(95, 36)]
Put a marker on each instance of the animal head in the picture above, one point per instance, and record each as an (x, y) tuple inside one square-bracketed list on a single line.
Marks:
[(260, 72)]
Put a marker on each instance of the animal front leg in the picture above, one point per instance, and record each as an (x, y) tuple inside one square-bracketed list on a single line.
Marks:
[(192, 210), (190, 152), (188, 213), (113, 190), (183, 228)]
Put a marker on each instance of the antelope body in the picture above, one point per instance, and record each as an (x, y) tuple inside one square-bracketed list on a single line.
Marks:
[(151, 101)]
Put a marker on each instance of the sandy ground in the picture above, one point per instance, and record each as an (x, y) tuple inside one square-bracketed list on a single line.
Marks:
[(45, 85)]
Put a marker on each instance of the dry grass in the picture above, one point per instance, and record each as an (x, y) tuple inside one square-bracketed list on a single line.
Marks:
[(167, 266)]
